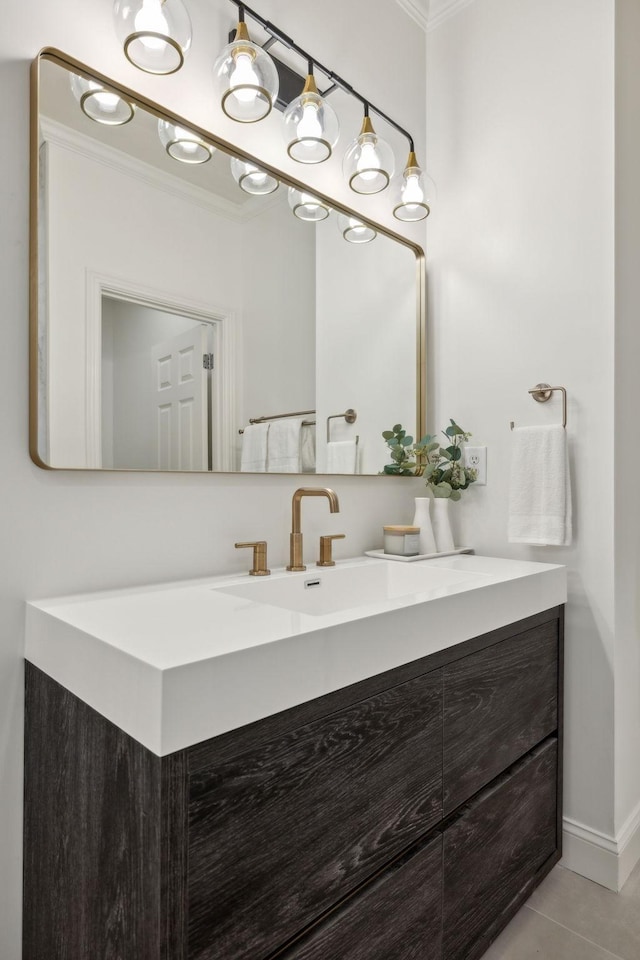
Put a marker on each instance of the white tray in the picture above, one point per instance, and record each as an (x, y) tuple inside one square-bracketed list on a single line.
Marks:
[(381, 555)]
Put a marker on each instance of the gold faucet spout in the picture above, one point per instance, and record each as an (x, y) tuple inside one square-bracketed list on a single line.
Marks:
[(295, 558)]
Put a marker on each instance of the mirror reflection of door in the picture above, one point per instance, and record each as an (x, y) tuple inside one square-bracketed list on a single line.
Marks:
[(156, 388)]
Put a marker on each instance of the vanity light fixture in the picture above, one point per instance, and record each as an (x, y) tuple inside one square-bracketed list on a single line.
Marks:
[(310, 125), (354, 230), (155, 34), (307, 207), (413, 205), (253, 179), (246, 77), (183, 144), (99, 103), (368, 163)]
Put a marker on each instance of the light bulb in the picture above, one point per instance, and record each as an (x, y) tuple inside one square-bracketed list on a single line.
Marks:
[(150, 19), (355, 231), (108, 102), (412, 191), (244, 75), (309, 125), (307, 207), (412, 205), (182, 144), (368, 163), (246, 79), (252, 179), (97, 103), (155, 34)]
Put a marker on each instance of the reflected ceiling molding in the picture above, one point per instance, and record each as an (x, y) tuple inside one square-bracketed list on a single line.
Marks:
[(65, 137)]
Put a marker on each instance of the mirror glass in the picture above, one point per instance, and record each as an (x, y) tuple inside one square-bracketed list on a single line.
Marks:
[(173, 308)]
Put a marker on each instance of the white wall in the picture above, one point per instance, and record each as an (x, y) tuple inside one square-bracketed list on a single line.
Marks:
[(73, 531), (627, 451), (278, 349), (366, 323), (521, 280), (196, 268)]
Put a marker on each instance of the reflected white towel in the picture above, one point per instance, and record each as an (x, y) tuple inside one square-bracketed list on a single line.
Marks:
[(342, 456), (540, 489), (285, 439), (308, 455), (254, 448)]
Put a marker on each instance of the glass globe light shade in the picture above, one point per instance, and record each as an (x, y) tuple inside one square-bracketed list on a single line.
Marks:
[(413, 205), (155, 34), (252, 179), (368, 163), (307, 207), (183, 144), (99, 103), (355, 231), (245, 79), (311, 126)]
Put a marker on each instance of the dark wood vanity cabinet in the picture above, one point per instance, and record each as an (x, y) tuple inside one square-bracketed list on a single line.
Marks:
[(398, 915), (406, 817), (282, 831)]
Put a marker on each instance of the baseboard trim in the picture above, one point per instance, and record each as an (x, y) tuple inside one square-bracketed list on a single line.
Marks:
[(629, 845), (602, 858)]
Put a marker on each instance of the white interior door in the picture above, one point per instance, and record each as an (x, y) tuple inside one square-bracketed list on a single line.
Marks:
[(181, 400)]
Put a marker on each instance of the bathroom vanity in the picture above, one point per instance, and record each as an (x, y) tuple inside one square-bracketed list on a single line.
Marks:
[(215, 772)]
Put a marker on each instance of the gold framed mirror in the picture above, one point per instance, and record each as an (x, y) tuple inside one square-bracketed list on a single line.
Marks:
[(179, 322)]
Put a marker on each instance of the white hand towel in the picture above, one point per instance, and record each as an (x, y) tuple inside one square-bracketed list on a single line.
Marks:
[(254, 448), (308, 454), (540, 489), (285, 441), (342, 456)]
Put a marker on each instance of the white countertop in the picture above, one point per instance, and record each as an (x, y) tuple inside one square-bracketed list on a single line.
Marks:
[(174, 664)]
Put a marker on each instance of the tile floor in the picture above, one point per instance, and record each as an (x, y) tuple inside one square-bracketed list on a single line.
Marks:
[(570, 918)]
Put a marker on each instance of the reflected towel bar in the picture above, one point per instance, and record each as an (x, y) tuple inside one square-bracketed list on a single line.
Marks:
[(543, 392), (282, 416), (349, 415)]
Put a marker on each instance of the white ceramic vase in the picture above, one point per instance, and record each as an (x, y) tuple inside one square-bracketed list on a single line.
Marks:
[(441, 525), (422, 519)]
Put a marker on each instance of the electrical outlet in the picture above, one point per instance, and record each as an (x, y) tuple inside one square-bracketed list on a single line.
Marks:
[(476, 457)]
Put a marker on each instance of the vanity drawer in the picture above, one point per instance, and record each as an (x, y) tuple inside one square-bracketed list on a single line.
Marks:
[(498, 704), (494, 849), (280, 833), (397, 916)]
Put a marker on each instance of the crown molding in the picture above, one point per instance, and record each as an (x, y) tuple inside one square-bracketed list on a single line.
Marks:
[(429, 14), (418, 10), (441, 10), (63, 136)]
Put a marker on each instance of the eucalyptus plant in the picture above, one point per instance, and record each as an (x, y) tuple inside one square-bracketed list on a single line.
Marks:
[(402, 453), (441, 466)]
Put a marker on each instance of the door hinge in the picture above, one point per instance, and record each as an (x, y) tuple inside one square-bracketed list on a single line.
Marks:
[(207, 361)]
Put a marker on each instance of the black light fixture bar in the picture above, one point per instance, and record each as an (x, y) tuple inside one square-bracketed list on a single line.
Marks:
[(276, 35)]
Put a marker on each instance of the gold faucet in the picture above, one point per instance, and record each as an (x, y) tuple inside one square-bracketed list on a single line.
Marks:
[(295, 559)]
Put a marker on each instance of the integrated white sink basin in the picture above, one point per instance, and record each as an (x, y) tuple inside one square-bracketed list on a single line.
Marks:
[(175, 664), (320, 591)]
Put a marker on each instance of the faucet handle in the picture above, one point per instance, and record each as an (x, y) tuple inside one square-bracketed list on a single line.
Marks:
[(259, 568), (326, 560)]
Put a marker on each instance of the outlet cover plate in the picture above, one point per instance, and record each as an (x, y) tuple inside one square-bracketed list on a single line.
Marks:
[(476, 457)]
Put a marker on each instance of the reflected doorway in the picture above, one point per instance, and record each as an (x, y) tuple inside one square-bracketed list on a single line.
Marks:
[(157, 389)]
